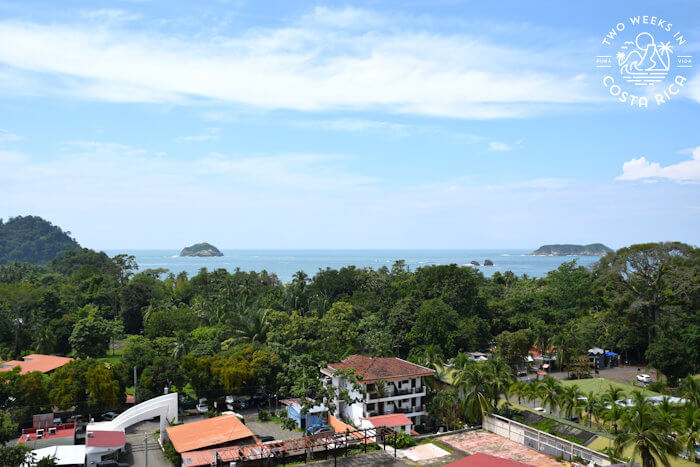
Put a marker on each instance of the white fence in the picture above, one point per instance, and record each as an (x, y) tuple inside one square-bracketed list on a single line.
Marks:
[(541, 441)]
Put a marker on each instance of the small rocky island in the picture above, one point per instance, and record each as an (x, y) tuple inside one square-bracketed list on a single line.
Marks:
[(488, 262), (594, 249), (474, 263), (201, 249)]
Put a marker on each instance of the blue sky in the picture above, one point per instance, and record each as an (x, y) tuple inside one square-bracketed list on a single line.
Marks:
[(442, 124)]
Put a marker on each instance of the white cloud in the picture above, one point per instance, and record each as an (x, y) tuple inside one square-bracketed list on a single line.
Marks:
[(209, 135), (7, 137), (350, 125), (110, 15), (642, 169), (318, 63), (498, 146)]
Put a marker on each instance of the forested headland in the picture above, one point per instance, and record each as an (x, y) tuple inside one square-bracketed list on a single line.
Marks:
[(33, 240)]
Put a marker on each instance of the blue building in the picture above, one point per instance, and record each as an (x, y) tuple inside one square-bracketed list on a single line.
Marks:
[(316, 415)]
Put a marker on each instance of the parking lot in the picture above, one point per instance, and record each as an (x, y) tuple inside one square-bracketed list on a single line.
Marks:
[(269, 428)]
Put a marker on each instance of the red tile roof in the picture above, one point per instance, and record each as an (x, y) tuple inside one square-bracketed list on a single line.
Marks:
[(208, 433), (373, 369), (484, 460), (105, 439), (392, 420), (62, 431), (36, 362)]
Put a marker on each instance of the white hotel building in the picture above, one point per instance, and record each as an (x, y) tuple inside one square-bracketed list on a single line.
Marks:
[(403, 388)]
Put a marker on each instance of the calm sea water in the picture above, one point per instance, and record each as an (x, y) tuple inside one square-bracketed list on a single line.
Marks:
[(285, 263)]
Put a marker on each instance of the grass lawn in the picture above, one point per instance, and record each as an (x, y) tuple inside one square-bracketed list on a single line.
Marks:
[(601, 443), (600, 385)]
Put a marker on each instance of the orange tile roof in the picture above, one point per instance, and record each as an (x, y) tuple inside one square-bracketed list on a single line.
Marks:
[(391, 420), (208, 433), (373, 369), (36, 362)]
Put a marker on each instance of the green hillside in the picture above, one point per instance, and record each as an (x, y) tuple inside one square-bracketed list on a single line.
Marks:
[(32, 239)]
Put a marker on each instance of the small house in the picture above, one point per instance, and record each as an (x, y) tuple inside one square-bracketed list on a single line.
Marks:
[(314, 416)]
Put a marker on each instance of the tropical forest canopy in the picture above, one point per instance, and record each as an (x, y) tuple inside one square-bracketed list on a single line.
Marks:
[(222, 332)]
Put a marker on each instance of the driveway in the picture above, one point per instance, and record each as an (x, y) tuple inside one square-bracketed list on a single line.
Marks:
[(136, 453)]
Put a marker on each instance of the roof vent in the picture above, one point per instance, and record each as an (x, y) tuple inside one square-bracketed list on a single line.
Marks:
[(52, 431)]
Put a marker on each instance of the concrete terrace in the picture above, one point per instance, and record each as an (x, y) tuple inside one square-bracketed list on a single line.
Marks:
[(488, 443)]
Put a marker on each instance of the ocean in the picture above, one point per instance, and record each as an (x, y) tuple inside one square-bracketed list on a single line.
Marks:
[(284, 263)]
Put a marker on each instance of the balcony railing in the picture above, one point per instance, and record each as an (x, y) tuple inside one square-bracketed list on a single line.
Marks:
[(401, 392)]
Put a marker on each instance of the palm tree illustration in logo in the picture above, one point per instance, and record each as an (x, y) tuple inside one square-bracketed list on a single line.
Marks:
[(644, 62)]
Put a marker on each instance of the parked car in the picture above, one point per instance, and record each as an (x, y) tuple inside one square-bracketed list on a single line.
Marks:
[(109, 416), (77, 419), (643, 378), (539, 409), (202, 405), (260, 397), (235, 403), (316, 430), (57, 421)]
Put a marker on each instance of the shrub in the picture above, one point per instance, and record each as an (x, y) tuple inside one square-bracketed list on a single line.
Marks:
[(400, 440), (282, 413), (171, 454), (264, 416), (507, 411), (289, 423)]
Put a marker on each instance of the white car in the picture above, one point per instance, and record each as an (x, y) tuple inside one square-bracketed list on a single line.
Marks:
[(202, 405), (539, 409), (644, 378)]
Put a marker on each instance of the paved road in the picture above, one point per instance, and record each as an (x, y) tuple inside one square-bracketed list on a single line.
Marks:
[(622, 374)]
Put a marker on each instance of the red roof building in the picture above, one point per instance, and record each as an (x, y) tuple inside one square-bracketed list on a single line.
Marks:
[(36, 362), (102, 444), (398, 422), (59, 435), (484, 460), (374, 369), (392, 386)]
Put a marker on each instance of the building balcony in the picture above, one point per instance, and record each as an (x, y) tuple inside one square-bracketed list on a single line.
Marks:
[(396, 395)]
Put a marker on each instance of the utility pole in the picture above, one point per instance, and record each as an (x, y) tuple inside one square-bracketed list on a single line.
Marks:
[(135, 399), (145, 452)]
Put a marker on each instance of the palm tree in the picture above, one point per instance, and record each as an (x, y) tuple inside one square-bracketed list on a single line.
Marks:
[(649, 436), (251, 326), (517, 389), (501, 376), (551, 388), (474, 387), (444, 407), (380, 387), (612, 415), (591, 404), (180, 344), (690, 389), (531, 391), (612, 394), (570, 401), (689, 427)]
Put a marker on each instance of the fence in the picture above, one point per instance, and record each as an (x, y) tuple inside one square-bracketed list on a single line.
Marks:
[(541, 441)]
